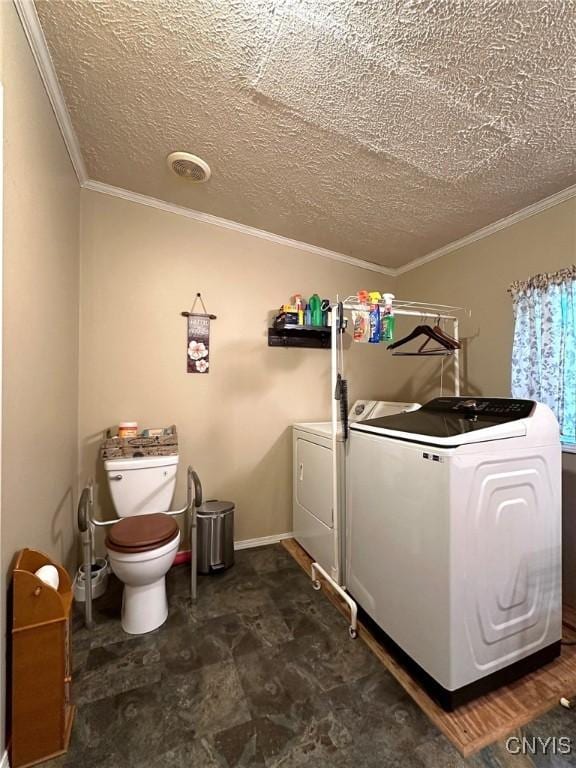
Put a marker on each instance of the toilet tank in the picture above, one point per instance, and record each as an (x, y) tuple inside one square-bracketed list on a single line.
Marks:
[(143, 485)]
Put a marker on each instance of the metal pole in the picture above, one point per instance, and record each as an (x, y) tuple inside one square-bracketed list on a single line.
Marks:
[(353, 628), (335, 467), (194, 558), (87, 545), (194, 501), (456, 359), (85, 527)]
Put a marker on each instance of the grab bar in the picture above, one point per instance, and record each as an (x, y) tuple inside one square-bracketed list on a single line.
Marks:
[(86, 521), (83, 504)]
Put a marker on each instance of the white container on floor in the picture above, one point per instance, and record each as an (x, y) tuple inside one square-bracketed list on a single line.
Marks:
[(99, 581)]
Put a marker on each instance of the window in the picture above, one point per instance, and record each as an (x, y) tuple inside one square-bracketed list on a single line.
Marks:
[(544, 352)]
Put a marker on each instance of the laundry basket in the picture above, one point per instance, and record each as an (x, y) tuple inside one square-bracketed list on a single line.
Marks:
[(215, 521)]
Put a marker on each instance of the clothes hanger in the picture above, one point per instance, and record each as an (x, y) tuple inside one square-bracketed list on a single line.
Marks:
[(419, 330), (446, 347), (441, 332), (449, 342)]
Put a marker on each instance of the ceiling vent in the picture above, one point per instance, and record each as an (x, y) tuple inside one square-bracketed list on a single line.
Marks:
[(189, 167)]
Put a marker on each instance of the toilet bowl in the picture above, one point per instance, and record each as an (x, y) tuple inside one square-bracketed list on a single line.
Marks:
[(143, 544)]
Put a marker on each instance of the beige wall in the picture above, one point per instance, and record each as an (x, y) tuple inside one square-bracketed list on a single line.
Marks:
[(40, 314), (477, 277), (140, 268)]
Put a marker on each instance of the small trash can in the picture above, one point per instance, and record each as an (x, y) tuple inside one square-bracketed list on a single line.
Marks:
[(99, 580), (215, 520)]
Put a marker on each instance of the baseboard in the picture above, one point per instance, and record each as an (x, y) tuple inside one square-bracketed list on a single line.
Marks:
[(262, 541), (5, 762), (184, 555)]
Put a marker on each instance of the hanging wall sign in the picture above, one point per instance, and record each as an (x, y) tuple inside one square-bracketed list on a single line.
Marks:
[(198, 344), (198, 350)]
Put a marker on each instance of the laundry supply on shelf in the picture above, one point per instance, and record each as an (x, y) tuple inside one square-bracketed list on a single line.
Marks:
[(373, 320), (375, 325), (316, 309), (361, 318), (299, 308), (388, 321), (326, 312)]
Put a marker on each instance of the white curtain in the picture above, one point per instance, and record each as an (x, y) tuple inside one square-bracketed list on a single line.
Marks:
[(544, 351)]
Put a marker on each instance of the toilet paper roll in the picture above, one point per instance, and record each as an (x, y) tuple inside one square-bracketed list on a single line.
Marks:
[(49, 575)]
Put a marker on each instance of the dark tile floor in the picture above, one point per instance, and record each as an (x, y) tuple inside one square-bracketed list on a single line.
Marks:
[(260, 673)]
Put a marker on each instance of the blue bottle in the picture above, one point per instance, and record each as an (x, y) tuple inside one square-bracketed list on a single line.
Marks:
[(375, 324)]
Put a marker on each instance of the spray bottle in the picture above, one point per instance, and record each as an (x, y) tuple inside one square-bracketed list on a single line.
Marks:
[(375, 327), (299, 308), (388, 319)]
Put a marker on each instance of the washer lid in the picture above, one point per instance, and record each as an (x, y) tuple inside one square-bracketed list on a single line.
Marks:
[(453, 421), (319, 428)]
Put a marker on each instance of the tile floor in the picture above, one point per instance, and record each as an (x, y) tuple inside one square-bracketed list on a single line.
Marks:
[(260, 673)]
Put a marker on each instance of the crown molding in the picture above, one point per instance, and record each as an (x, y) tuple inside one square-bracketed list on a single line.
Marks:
[(33, 30), (207, 218), (491, 229)]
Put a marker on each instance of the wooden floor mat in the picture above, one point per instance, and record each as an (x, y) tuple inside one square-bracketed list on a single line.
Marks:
[(488, 718)]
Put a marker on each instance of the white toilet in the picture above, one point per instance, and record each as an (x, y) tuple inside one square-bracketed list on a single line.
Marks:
[(143, 544)]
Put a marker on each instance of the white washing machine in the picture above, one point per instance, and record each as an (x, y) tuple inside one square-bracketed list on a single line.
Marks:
[(313, 522), (453, 539)]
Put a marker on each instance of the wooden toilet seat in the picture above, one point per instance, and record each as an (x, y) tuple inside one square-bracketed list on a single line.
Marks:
[(142, 533)]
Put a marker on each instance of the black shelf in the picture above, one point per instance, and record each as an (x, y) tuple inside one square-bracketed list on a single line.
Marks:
[(309, 336)]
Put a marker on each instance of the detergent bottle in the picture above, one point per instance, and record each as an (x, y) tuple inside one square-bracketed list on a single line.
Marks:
[(316, 309), (375, 327)]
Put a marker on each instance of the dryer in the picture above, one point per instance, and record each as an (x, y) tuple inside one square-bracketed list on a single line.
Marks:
[(313, 521), (453, 542)]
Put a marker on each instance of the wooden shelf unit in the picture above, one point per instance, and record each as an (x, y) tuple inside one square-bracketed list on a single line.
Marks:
[(42, 712)]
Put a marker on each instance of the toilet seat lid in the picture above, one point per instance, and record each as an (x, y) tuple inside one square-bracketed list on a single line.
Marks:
[(142, 532)]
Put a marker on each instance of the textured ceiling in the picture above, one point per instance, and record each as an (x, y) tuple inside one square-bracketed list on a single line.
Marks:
[(382, 129)]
